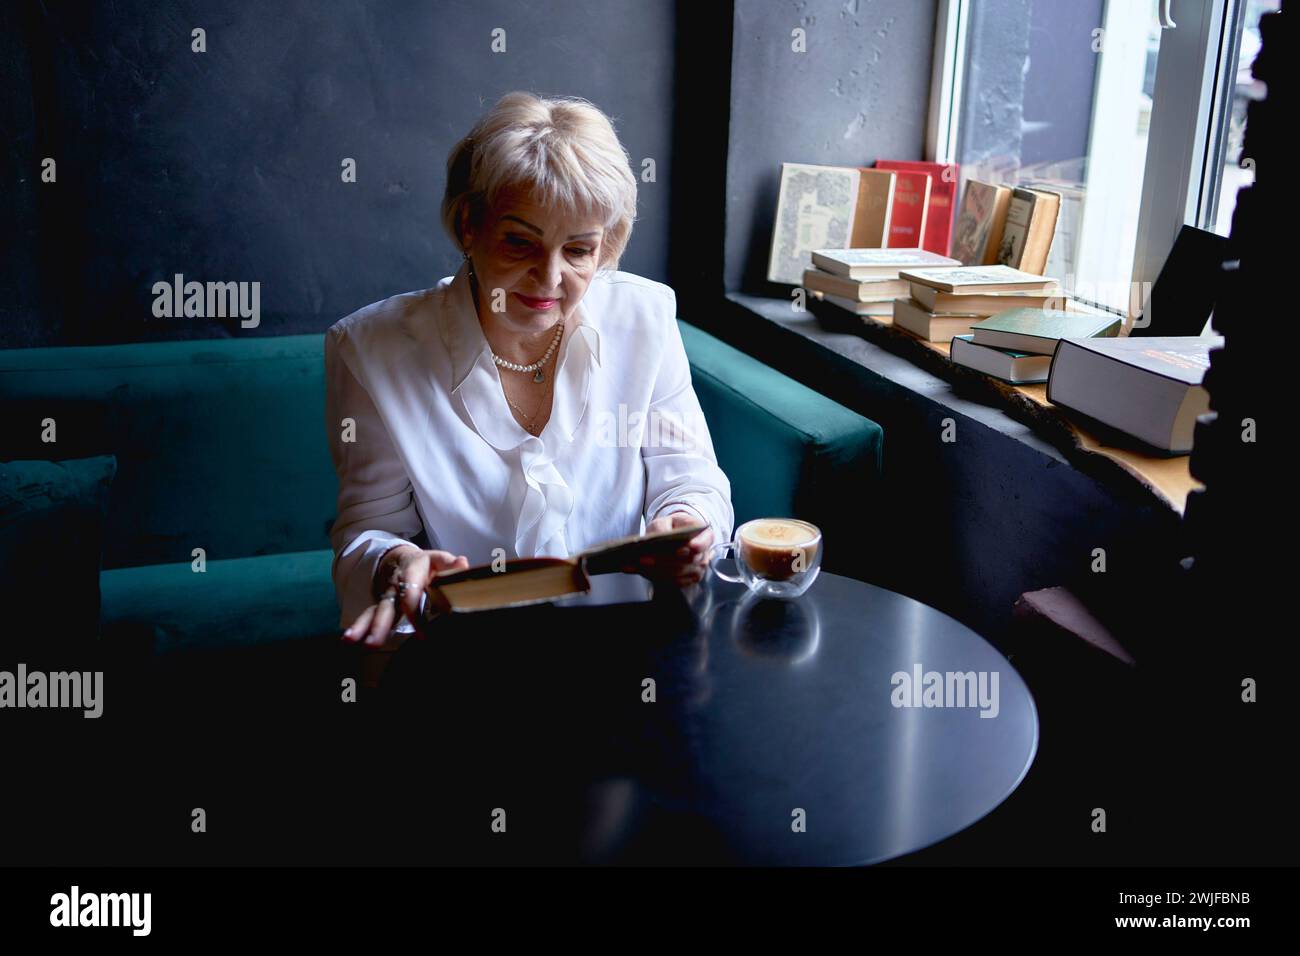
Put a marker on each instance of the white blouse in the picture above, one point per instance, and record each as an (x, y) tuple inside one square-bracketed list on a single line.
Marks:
[(422, 437)]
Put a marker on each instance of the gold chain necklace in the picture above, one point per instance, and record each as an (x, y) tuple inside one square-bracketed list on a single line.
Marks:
[(530, 427), (540, 375)]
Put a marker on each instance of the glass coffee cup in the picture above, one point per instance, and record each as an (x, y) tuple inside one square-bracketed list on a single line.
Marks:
[(776, 557)]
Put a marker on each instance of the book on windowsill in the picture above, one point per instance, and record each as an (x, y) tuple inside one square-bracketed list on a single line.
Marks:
[(817, 205), (977, 235), (876, 309), (980, 290), (981, 304), (878, 263), (969, 280), (875, 289), (930, 326), (1148, 388), (520, 581), (1039, 330), (1015, 368), (907, 220), (943, 200), (1029, 229)]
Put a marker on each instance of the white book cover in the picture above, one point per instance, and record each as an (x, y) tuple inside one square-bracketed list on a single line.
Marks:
[(974, 276), (814, 210), (921, 258)]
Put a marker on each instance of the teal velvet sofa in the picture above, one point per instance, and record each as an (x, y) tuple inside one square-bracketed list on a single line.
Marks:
[(221, 446)]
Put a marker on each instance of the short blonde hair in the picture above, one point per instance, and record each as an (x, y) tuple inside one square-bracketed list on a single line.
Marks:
[(563, 150)]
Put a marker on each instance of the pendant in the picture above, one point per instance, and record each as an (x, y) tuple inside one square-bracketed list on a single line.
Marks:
[(539, 377)]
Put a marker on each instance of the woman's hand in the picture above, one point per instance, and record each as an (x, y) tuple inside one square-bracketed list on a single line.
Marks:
[(417, 568), (687, 565)]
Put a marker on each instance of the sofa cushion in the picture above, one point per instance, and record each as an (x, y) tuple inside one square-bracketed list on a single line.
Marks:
[(51, 540), (789, 451), (220, 444), (238, 602)]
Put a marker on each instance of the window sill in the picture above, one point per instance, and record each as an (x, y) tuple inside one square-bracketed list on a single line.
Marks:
[(1021, 413)]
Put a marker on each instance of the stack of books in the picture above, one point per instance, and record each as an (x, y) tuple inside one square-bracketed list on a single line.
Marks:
[(867, 281), (1017, 345), (941, 304)]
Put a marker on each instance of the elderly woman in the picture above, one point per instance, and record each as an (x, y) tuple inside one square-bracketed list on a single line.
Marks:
[(505, 410)]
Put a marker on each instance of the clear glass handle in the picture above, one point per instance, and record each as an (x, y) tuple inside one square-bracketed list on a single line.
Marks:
[(714, 556)]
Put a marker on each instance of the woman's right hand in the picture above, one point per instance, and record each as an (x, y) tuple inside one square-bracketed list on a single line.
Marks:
[(374, 628)]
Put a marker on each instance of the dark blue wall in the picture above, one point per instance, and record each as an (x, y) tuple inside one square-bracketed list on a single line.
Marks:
[(225, 165), (860, 93)]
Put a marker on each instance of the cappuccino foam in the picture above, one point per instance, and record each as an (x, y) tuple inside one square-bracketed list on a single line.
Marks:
[(778, 534), (770, 547)]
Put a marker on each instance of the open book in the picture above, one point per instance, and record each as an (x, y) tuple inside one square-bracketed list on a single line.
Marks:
[(519, 581)]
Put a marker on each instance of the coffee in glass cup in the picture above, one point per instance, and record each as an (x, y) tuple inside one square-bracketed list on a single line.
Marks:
[(776, 557)]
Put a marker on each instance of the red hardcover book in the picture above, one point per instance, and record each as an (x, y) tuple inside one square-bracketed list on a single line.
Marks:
[(911, 207), (943, 200)]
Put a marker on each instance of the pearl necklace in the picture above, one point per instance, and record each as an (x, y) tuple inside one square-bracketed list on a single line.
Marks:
[(535, 366)]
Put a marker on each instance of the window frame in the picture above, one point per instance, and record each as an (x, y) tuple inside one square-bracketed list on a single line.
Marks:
[(1191, 102), (1182, 177), (951, 19)]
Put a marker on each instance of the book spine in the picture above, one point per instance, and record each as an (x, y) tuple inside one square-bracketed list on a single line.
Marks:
[(1062, 347), (1038, 241), (943, 210), (927, 187), (997, 225)]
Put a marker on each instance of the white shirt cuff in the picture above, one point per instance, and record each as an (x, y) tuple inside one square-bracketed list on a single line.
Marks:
[(675, 506)]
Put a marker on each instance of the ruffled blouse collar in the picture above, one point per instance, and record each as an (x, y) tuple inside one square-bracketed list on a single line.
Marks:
[(476, 389)]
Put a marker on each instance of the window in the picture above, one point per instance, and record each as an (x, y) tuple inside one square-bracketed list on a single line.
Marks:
[(1132, 110), (1237, 170), (1061, 99)]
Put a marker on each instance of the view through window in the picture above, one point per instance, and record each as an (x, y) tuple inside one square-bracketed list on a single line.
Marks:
[(1062, 101), (1239, 170)]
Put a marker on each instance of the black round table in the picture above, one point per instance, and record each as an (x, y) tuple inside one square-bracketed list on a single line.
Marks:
[(849, 726)]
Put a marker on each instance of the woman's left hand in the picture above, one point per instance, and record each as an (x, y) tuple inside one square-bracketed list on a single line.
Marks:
[(684, 566)]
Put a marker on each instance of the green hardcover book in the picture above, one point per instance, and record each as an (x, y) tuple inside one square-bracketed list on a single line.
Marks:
[(1038, 330), (1017, 368)]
